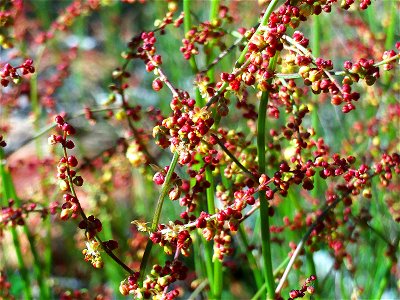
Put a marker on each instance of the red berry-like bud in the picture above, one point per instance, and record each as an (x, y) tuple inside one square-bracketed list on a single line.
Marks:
[(68, 129), (157, 59), (59, 120), (269, 194), (157, 84), (150, 67), (65, 214), (111, 244), (124, 289), (78, 181), (69, 144), (158, 178), (4, 82), (221, 216), (351, 159), (224, 76), (155, 237), (201, 223), (251, 200), (191, 102), (72, 161), (294, 294), (67, 197), (310, 289)]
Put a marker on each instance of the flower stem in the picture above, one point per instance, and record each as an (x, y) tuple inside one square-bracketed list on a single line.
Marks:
[(250, 257), (157, 213), (264, 217), (164, 191), (6, 192), (217, 264), (265, 234), (216, 284)]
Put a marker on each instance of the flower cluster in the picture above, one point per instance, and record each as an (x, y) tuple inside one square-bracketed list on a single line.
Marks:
[(15, 215), (255, 137), (92, 253), (66, 174), (9, 12), (49, 86), (294, 294), (9, 73), (156, 284), (206, 33), (65, 20)]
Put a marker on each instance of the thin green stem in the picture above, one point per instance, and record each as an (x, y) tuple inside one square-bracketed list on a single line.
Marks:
[(6, 193), (276, 271), (41, 272), (164, 191), (385, 279), (208, 253), (231, 156), (302, 242), (319, 183), (250, 257), (198, 290), (112, 270), (216, 284), (384, 282), (265, 233), (210, 191), (213, 270), (157, 213), (209, 48), (261, 122), (342, 284), (214, 10)]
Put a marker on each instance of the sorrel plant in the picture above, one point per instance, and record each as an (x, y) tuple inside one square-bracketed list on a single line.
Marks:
[(204, 149)]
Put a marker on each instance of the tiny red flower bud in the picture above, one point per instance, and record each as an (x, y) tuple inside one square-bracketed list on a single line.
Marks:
[(4, 82), (111, 244), (59, 120), (78, 181), (72, 161), (157, 84), (158, 178), (310, 289), (68, 129), (69, 144), (155, 237), (201, 223)]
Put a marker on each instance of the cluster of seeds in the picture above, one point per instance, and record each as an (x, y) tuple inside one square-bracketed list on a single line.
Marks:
[(71, 206), (205, 33), (305, 288), (156, 284), (190, 132), (9, 73)]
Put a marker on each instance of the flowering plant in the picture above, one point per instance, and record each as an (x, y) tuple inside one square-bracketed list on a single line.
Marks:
[(220, 154)]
